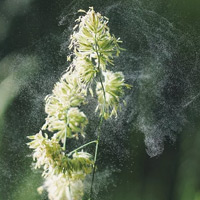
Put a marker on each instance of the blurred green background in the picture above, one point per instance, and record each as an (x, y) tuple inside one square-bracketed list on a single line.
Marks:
[(152, 151)]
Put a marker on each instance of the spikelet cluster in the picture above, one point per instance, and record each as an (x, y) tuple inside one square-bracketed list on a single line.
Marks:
[(93, 50)]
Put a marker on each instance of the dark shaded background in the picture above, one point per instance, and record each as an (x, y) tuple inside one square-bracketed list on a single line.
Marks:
[(151, 152)]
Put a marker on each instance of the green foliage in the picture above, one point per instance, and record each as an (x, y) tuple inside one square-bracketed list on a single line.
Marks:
[(93, 49)]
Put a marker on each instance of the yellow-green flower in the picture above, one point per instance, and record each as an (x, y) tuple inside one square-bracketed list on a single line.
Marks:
[(93, 40), (72, 123), (76, 120), (49, 155), (86, 69), (109, 95), (67, 93), (45, 150), (61, 187)]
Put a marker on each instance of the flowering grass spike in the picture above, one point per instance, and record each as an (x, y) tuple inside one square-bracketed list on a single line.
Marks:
[(93, 49)]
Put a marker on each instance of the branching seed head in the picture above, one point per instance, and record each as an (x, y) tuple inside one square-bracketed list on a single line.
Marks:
[(94, 49)]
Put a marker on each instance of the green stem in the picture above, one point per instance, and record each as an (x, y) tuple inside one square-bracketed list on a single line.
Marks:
[(96, 151), (64, 148), (81, 147), (65, 140), (102, 116)]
